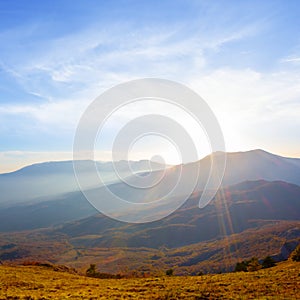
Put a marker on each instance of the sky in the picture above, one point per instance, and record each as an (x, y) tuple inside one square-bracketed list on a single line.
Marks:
[(56, 57)]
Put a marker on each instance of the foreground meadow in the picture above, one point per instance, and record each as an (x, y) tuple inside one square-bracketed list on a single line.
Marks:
[(32, 282)]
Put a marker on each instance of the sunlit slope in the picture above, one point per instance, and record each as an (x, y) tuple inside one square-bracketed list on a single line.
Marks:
[(279, 282)]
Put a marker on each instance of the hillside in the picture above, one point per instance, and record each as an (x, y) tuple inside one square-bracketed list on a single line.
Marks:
[(259, 164), (30, 197), (53, 178), (28, 282), (256, 199), (47, 181), (67, 207), (247, 219), (233, 210)]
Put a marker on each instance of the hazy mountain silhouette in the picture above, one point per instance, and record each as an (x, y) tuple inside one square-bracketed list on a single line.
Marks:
[(259, 164), (68, 207), (43, 181), (241, 166)]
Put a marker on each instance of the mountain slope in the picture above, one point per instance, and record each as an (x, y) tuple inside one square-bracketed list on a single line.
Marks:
[(26, 185), (241, 166), (259, 164), (253, 218), (234, 209), (45, 213), (44, 181)]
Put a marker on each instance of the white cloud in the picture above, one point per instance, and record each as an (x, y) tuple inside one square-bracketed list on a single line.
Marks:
[(60, 114), (251, 104), (80, 66), (291, 59), (90, 61)]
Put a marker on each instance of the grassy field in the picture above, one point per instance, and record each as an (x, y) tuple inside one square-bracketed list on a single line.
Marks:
[(33, 282)]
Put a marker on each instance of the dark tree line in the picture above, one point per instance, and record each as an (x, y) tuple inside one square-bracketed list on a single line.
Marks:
[(253, 264)]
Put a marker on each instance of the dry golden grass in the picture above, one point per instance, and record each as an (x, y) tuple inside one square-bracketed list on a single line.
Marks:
[(32, 282)]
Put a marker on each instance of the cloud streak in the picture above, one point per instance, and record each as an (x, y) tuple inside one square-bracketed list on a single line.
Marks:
[(62, 72)]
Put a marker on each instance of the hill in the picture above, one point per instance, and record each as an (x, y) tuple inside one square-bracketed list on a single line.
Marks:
[(28, 282), (252, 217), (244, 220), (39, 196), (35, 182), (234, 209), (66, 207), (47, 181), (241, 166), (260, 165)]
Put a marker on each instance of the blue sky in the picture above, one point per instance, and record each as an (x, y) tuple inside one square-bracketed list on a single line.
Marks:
[(242, 57)]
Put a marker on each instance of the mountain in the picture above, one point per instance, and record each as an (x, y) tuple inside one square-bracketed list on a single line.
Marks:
[(43, 189), (259, 164), (234, 209), (46, 181), (45, 213), (252, 218), (256, 211), (176, 183)]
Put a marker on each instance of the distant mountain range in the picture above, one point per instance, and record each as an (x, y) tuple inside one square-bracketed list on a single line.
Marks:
[(260, 193), (36, 192), (259, 164), (47, 194), (44, 181)]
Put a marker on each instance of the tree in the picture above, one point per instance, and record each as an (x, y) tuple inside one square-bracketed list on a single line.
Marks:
[(91, 271), (296, 254), (268, 262), (241, 266), (248, 265), (253, 265), (169, 272)]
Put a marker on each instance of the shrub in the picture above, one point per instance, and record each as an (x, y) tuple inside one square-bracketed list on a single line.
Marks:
[(169, 272), (91, 271), (268, 262), (248, 265), (241, 266), (253, 265), (296, 254)]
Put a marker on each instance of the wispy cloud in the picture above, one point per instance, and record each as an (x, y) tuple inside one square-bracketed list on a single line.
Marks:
[(291, 59), (66, 69), (74, 69)]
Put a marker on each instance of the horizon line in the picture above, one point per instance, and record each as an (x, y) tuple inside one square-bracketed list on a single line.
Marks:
[(139, 160)]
